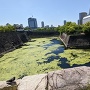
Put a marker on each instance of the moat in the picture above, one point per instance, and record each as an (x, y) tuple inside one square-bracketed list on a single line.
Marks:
[(41, 55)]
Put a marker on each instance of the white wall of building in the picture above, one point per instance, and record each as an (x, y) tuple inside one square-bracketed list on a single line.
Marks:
[(86, 19)]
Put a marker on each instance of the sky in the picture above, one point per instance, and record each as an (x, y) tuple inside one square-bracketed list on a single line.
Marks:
[(52, 12)]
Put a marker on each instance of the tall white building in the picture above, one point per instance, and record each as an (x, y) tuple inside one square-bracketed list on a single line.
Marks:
[(32, 23), (86, 19)]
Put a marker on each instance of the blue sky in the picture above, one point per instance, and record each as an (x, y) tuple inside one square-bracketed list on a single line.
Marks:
[(50, 11)]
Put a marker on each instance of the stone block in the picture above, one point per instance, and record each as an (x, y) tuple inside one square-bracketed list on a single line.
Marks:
[(69, 79), (35, 82)]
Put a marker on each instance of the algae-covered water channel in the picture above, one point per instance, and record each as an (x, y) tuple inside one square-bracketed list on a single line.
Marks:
[(41, 55)]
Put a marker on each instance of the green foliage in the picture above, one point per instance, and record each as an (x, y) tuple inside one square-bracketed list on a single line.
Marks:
[(73, 28), (28, 60), (41, 29), (27, 28), (1, 28), (69, 28), (50, 29), (33, 59), (7, 28), (75, 56), (86, 28), (61, 29)]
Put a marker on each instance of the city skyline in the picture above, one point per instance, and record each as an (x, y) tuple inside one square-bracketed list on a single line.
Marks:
[(51, 12)]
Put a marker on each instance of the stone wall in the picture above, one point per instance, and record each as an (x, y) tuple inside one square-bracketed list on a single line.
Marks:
[(65, 38), (79, 41), (77, 78), (35, 34), (75, 41), (11, 40)]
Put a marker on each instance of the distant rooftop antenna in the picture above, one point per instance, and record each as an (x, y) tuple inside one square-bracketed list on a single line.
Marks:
[(32, 16)]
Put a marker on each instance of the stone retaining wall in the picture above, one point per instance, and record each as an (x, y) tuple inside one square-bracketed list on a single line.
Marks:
[(76, 78), (75, 41), (37, 34), (11, 40)]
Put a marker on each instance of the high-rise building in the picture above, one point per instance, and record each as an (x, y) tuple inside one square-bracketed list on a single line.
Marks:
[(81, 16), (52, 26), (65, 22), (89, 11), (32, 23), (42, 24), (78, 22)]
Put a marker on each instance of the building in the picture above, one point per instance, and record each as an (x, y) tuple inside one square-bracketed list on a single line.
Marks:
[(42, 24), (52, 26), (19, 27), (32, 23), (78, 22), (86, 19), (81, 16), (89, 12), (65, 22), (47, 26)]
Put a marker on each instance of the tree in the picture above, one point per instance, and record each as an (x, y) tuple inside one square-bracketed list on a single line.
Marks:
[(27, 28), (70, 27), (7, 28), (1, 28), (86, 28)]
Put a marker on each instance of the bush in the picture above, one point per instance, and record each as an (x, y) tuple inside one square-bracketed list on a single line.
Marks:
[(7, 28)]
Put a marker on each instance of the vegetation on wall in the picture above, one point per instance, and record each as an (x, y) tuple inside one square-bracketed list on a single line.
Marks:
[(73, 28), (49, 29), (86, 28), (40, 55), (31, 59), (7, 28)]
